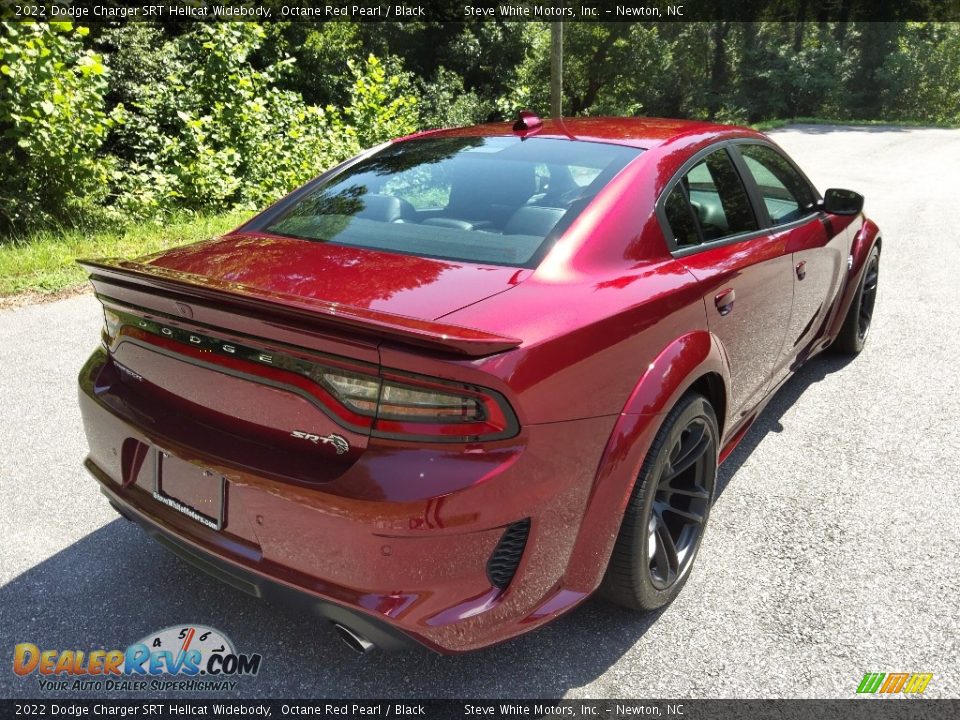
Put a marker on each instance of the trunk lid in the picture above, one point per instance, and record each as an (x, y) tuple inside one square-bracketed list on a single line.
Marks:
[(409, 285)]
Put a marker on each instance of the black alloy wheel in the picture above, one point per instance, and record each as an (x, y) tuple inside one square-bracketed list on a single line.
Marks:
[(667, 514), (679, 510), (868, 296)]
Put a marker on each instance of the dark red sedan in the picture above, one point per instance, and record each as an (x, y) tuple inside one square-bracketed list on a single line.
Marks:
[(455, 385)]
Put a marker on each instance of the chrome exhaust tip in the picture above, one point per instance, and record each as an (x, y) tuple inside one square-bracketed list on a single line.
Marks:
[(355, 642)]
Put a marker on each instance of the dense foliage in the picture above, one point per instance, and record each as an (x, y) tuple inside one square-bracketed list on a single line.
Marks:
[(53, 125), (105, 124)]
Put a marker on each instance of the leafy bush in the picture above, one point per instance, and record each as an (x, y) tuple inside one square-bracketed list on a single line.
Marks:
[(922, 77), (381, 104), (220, 133), (321, 74), (445, 102), (140, 59), (52, 125)]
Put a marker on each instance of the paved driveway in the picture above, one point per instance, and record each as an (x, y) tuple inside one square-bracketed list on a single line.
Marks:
[(832, 551)]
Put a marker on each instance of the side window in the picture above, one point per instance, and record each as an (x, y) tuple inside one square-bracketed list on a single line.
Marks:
[(681, 219), (785, 193), (717, 198)]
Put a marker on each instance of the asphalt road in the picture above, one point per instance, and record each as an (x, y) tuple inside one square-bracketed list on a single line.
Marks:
[(832, 551)]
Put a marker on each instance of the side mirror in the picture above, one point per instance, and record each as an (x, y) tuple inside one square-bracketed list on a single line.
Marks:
[(841, 202)]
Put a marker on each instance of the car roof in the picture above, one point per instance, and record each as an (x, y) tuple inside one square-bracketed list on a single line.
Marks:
[(639, 132)]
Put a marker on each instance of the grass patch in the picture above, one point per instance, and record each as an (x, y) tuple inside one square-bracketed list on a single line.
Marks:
[(44, 261), (775, 124)]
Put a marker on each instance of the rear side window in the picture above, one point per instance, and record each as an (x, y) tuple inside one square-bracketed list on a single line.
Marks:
[(681, 219), (496, 200), (786, 195), (717, 200)]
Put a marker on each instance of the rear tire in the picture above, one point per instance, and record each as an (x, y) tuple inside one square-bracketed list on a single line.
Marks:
[(668, 510), (856, 325)]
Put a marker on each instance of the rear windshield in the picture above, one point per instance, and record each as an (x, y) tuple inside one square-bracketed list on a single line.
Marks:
[(492, 200)]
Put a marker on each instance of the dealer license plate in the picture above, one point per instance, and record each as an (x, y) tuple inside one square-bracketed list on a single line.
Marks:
[(190, 489)]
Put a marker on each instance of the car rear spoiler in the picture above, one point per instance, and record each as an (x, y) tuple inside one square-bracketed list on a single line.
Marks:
[(116, 273)]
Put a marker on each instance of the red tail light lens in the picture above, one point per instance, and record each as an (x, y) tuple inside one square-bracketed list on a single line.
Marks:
[(432, 411), (390, 405)]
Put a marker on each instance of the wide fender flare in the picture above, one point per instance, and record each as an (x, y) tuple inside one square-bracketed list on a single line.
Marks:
[(677, 367), (863, 243), (672, 373)]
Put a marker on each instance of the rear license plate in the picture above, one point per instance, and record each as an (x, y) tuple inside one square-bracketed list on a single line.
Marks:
[(190, 489)]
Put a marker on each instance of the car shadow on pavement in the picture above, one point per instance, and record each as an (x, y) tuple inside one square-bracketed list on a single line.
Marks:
[(115, 586), (769, 420)]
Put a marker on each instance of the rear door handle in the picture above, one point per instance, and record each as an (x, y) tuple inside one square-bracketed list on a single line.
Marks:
[(801, 269), (724, 301)]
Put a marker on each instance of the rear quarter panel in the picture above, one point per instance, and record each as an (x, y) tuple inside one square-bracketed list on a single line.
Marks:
[(586, 345)]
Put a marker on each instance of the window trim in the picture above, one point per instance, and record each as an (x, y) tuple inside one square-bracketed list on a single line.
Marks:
[(751, 188)]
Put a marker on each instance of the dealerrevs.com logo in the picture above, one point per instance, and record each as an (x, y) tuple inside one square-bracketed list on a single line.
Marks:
[(182, 658), (894, 683)]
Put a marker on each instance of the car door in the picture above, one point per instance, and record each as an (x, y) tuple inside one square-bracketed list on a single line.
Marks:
[(745, 273), (818, 251)]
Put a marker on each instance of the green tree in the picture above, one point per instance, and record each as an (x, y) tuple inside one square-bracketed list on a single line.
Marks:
[(52, 124), (381, 104), (222, 133), (922, 77)]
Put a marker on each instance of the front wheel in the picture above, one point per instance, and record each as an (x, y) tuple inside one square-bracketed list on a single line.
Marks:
[(856, 326), (668, 510)]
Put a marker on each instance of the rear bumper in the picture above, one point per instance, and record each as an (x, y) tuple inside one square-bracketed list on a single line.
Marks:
[(381, 634), (404, 571)]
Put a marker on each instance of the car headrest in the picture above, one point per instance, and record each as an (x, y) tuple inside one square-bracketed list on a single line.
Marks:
[(384, 208), (449, 222), (533, 220)]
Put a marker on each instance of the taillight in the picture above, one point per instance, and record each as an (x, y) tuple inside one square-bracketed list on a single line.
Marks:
[(432, 411), (440, 411), (358, 392), (397, 401), (389, 405)]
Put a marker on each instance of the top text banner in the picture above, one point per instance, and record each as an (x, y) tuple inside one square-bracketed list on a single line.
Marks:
[(96, 11)]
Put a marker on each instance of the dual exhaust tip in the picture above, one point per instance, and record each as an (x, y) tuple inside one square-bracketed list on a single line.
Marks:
[(353, 640)]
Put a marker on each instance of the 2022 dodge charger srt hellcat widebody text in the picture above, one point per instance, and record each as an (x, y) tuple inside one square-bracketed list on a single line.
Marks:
[(453, 386)]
